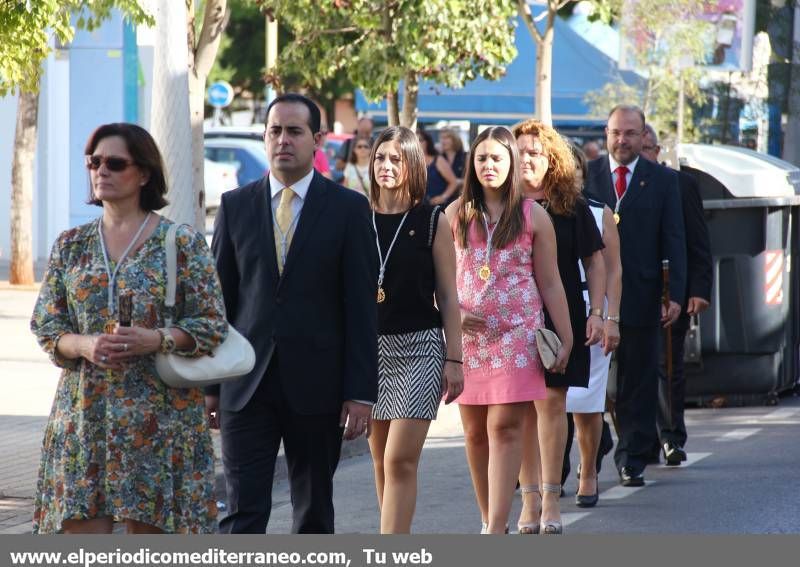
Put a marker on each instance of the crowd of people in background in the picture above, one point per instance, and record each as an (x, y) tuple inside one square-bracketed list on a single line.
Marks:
[(501, 279)]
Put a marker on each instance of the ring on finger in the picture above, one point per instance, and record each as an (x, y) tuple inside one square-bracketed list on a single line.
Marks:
[(124, 347), (103, 358)]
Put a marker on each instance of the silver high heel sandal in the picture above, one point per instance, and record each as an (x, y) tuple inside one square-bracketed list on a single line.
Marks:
[(530, 528), (551, 527)]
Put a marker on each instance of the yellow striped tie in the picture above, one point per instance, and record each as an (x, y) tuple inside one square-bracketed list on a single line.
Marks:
[(283, 224)]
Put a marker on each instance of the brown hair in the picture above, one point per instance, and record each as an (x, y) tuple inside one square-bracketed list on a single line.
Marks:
[(458, 145), (145, 155), (558, 184), (580, 160), (353, 143), (414, 181), (473, 203)]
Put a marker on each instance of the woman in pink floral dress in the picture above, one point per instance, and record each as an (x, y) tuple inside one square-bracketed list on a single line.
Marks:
[(506, 260)]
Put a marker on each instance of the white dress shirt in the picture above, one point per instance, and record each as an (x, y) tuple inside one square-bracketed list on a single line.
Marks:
[(300, 188)]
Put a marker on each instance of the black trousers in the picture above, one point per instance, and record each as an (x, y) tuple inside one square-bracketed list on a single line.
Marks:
[(671, 425), (637, 394), (250, 442)]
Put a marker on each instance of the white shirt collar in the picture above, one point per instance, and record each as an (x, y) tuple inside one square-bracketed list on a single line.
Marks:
[(614, 164), (300, 188)]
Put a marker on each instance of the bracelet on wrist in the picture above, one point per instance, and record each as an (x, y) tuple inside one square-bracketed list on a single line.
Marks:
[(598, 311), (454, 360)]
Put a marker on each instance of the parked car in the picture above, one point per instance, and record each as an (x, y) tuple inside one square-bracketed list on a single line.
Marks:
[(247, 155), (219, 177)]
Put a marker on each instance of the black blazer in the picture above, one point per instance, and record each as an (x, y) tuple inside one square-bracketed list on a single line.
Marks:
[(650, 229), (699, 273), (320, 316)]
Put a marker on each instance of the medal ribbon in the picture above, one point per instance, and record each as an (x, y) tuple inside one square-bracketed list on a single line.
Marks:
[(383, 260), (112, 276)]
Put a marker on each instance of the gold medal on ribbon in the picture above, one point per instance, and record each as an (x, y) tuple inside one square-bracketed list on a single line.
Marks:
[(616, 218), (381, 295), (484, 273)]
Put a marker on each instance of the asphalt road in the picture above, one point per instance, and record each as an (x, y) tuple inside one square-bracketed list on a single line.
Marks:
[(741, 478)]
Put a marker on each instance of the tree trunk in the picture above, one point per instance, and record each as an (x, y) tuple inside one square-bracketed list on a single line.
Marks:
[(392, 111), (22, 189), (544, 73), (170, 121), (410, 93), (202, 54)]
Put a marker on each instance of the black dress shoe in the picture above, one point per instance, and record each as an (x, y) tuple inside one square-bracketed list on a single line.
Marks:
[(630, 477), (673, 454)]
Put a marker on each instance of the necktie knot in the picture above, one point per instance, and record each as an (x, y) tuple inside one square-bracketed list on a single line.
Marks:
[(621, 184)]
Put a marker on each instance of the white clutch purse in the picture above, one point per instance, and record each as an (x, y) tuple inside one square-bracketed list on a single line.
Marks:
[(228, 361), (547, 343)]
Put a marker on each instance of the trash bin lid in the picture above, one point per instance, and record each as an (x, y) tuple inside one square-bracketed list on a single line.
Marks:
[(743, 172)]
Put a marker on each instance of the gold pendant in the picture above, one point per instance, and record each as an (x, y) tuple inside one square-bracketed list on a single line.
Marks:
[(484, 273), (616, 218), (381, 295)]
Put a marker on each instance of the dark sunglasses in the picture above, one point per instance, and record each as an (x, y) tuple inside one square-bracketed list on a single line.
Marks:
[(112, 163)]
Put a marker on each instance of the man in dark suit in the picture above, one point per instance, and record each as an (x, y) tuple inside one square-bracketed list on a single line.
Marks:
[(644, 198), (297, 263), (671, 392)]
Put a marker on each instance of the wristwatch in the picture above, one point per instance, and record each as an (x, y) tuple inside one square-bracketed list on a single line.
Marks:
[(167, 341), (597, 311), (614, 318)]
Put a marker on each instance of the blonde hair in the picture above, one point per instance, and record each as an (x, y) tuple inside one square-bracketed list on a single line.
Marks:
[(558, 184)]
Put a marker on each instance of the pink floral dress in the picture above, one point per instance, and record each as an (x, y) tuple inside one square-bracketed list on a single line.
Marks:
[(502, 364)]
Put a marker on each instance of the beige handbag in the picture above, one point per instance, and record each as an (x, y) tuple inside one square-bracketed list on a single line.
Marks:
[(231, 359), (547, 343)]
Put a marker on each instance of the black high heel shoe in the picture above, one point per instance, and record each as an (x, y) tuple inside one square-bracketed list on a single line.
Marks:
[(588, 500)]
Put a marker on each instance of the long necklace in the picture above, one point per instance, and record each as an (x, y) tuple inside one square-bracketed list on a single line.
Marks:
[(485, 272), (112, 276), (384, 261)]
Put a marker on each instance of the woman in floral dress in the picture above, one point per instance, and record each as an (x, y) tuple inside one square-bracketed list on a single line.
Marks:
[(120, 445), (506, 274)]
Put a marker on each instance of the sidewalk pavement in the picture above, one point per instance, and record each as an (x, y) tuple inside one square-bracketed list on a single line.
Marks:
[(29, 383)]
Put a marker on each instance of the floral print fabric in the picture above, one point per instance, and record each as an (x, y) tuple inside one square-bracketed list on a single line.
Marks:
[(502, 364), (121, 443)]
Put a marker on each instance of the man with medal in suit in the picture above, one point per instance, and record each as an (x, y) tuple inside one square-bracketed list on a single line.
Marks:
[(297, 265), (699, 276), (647, 208)]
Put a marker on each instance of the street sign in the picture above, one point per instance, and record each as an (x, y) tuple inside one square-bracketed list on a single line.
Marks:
[(220, 94)]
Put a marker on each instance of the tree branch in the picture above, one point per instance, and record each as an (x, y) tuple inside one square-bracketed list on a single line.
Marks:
[(215, 18), (525, 13)]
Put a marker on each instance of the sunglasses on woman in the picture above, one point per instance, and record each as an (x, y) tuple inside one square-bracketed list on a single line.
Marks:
[(116, 164)]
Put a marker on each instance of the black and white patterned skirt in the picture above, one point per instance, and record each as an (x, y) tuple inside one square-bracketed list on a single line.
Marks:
[(409, 375)]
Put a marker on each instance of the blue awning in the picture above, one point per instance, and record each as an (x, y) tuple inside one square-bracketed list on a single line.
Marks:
[(578, 67)]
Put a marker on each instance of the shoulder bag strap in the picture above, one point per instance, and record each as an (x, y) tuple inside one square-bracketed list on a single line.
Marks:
[(171, 250)]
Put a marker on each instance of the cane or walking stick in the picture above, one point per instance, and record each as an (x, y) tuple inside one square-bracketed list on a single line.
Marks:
[(667, 338)]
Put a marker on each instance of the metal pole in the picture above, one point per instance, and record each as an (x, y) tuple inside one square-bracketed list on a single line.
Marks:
[(271, 52)]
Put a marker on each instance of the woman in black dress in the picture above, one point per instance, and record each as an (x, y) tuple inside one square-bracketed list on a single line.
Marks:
[(548, 176), (415, 366)]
